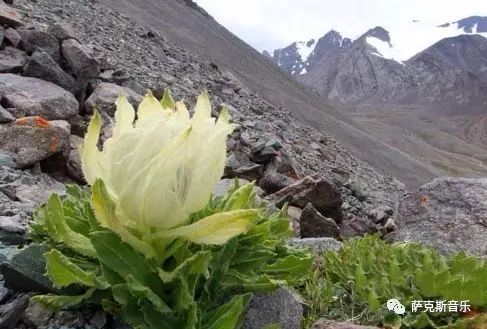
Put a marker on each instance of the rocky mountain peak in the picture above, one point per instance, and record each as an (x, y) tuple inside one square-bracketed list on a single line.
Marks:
[(473, 24), (379, 33)]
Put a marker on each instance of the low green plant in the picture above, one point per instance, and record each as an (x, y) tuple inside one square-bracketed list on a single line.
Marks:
[(147, 241), (354, 284)]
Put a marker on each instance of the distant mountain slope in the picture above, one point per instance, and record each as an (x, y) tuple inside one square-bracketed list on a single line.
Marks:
[(418, 64), (422, 89), (183, 23)]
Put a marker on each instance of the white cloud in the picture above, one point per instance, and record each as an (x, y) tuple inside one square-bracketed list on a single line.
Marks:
[(270, 24)]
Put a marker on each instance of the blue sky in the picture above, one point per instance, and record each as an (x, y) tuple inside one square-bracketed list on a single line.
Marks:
[(270, 24)]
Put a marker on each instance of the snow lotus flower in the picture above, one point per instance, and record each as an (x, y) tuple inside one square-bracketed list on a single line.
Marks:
[(154, 172)]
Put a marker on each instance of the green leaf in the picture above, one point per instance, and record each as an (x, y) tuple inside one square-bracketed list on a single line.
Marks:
[(228, 315), (290, 266), (63, 272), (215, 229), (241, 198), (60, 232), (121, 258), (58, 302), (143, 292), (196, 264), (158, 320)]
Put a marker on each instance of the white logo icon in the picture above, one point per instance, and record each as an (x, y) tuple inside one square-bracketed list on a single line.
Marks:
[(395, 306)]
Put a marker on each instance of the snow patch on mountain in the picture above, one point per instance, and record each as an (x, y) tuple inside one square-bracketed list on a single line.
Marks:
[(305, 48), (409, 40), (383, 48)]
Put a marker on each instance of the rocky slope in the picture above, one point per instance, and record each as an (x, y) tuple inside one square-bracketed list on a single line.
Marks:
[(54, 74), (61, 59), (185, 24)]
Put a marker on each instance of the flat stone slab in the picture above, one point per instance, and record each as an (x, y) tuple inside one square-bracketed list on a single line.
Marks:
[(449, 214), (9, 16), (36, 97)]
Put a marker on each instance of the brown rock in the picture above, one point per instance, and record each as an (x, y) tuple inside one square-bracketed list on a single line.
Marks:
[(13, 37), (273, 182), (9, 16), (80, 58), (312, 224), (63, 31), (322, 193), (34, 39)]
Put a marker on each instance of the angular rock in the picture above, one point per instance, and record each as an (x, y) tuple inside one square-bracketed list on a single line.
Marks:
[(312, 224), (25, 272), (34, 39), (449, 214), (20, 192), (357, 226), (280, 307), (5, 116), (63, 31), (328, 324), (13, 37), (323, 194), (284, 164), (4, 293), (74, 161), (41, 65), (36, 315), (316, 244), (104, 96), (294, 213), (249, 172), (32, 139), (119, 77), (32, 96), (9, 16), (79, 58), (11, 313), (11, 60), (273, 182), (357, 191)]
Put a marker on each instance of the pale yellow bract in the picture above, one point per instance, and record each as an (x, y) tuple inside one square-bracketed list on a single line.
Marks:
[(162, 167)]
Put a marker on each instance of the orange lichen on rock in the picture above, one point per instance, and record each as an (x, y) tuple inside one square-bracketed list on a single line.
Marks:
[(21, 121), (424, 199), (41, 122), (36, 121), (53, 144)]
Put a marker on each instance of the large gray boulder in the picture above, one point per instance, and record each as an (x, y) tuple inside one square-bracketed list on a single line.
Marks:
[(32, 96), (282, 307), (104, 96), (34, 39), (449, 214), (32, 139), (41, 65)]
